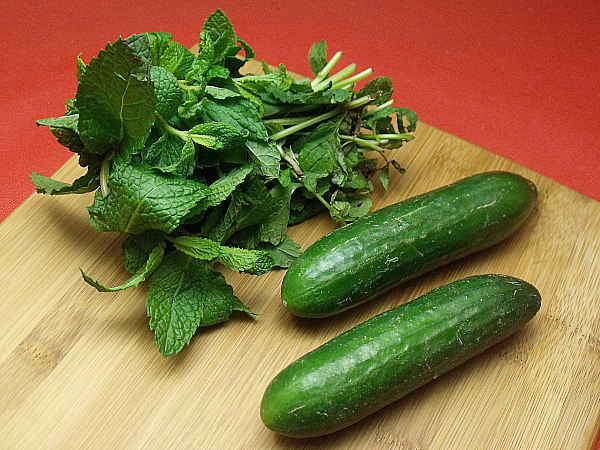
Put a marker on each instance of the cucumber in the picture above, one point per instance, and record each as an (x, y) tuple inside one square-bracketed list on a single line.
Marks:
[(388, 356), (359, 261)]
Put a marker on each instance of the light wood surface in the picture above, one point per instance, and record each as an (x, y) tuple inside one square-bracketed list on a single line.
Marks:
[(79, 369)]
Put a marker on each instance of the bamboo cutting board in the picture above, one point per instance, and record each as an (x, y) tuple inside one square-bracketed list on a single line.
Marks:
[(79, 369)]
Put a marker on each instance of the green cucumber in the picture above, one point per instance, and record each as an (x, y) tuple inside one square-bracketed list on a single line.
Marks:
[(390, 355), (359, 261)]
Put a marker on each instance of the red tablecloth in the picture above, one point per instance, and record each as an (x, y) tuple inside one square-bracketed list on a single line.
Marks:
[(518, 78)]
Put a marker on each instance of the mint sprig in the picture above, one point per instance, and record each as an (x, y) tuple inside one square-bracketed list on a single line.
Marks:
[(201, 167)]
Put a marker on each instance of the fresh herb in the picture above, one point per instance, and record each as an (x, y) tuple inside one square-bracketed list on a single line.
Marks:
[(198, 164)]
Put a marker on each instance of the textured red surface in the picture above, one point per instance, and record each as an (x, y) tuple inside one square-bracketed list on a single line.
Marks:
[(517, 78)]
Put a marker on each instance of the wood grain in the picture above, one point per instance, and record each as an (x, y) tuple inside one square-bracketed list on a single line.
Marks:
[(79, 369)]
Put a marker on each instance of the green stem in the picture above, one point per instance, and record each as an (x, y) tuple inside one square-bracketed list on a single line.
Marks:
[(388, 136), (348, 81), (323, 201), (379, 108), (357, 103), (347, 71), (104, 170), (306, 123), (362, 142), (171, 129), (325, 70)]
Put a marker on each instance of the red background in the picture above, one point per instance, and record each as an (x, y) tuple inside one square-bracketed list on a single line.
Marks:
[(519, 78)]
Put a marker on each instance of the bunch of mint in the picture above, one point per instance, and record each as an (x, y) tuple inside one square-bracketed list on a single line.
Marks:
[(198, 164)]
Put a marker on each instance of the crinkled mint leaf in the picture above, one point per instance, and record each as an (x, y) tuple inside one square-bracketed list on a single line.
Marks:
[(136, 249), (317, 57), (204, 59), (243, 116), (184, 294), (177, 59), (88, 182), (169, 94), (217, 135), (142, 199), (320, 153), (254, 262), (116, 101), (142, 274), (271, 229), (139, 44), (251, 203), (222, 188), (197, 247), (65, 130), (284, 253), (170, 154), (159, 41)]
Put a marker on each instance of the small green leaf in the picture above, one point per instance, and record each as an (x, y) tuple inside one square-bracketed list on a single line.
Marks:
[(184, 294), (217, 135), (142, 199), (197, 247), (177, 59), (384, 177), (253, 262), (142, 274), (284, 253), (170, 154), (317, 57), (379, 84), (86, 183), (222, 188), (136, 249), (169, 94), (116, 101)]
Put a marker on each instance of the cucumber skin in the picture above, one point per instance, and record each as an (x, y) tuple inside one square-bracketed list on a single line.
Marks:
[(361, 260), (390, 355)]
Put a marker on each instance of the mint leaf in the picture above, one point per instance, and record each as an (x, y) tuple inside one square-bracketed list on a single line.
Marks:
[(116, 101), (204, 59), (168, 92), (136, 249), (158, 41), (222, 188), (184, 294), (170, 154), (384, 177), (317, 57), (242, 115), (141, 199), (144, 272), (254, 262), (283, 253), (319, 153), (177, 59), (217, 135), (65, 130), (197, 247), (86, 183), (383, 85), (251, 203)]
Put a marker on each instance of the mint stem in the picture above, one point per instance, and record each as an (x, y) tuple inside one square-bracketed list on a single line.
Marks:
[(352, 80), (359, 102), (324, 72), (335, 78)]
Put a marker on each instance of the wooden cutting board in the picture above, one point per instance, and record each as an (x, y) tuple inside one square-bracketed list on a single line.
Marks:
[(79, 369)]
